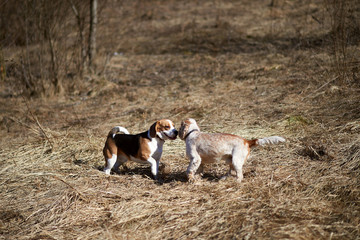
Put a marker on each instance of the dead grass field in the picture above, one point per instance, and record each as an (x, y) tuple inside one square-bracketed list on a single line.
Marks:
[(236, 67)]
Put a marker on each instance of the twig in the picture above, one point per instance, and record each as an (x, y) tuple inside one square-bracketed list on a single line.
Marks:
[(37, 122), (73, 188), (321, 87)]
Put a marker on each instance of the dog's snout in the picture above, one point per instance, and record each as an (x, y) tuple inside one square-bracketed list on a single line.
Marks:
[(176, 132)]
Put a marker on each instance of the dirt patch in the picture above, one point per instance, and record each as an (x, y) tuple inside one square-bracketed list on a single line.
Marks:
[(316, 152)]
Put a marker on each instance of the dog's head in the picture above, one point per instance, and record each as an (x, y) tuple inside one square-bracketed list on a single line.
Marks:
[(186, 127), (164, 129)]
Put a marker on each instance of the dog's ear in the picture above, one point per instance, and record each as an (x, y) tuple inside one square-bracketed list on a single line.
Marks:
[(153, 130), (183, 130)]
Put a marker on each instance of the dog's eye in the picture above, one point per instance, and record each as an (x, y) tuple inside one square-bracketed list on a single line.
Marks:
[(167, 127)]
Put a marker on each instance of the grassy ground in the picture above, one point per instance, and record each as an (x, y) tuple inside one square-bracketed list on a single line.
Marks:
[(236, 67)]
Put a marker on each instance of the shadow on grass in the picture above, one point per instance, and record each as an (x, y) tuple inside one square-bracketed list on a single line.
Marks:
[(176, 176)]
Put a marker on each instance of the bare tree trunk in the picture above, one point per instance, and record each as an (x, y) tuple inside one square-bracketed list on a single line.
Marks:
[(27, 74), (54, 66), (92, 32), (80, 23)]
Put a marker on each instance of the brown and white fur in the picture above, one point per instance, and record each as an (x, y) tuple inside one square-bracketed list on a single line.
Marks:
[(144, 147), (203, 148)]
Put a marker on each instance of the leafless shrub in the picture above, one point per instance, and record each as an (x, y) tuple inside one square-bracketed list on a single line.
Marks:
[(39, 27), (51, 36), (345, 31)]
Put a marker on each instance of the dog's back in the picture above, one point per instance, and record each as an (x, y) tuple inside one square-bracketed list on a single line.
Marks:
[(130, 144), (215, 146)]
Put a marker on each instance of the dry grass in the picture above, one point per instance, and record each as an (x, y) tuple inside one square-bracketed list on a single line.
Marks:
[(238, 69)]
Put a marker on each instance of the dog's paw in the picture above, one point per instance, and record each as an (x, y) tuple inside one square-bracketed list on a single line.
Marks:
[(239, 178), (191, 178)]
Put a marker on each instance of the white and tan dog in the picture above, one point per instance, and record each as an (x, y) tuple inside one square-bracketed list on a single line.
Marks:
[(144, 147), (203, 148)]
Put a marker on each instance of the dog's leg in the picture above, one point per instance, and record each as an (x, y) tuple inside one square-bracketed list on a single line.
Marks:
[(195, 162), (110, 162), (228, 160), (154, 167), (238, 159), (231, 168), (200, 170), (120, 161)]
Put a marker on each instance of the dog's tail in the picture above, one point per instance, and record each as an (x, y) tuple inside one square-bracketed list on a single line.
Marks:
[(117, 130), (267, 140)]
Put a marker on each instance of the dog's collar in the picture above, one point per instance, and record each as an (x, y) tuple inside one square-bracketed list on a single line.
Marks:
[(156, 136), (160, 138), (194, 130)]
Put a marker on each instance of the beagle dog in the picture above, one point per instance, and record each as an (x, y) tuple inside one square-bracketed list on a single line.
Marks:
[(203, 148), (144, 147)]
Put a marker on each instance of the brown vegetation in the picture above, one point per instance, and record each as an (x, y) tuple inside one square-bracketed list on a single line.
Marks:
[(250, 68)]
